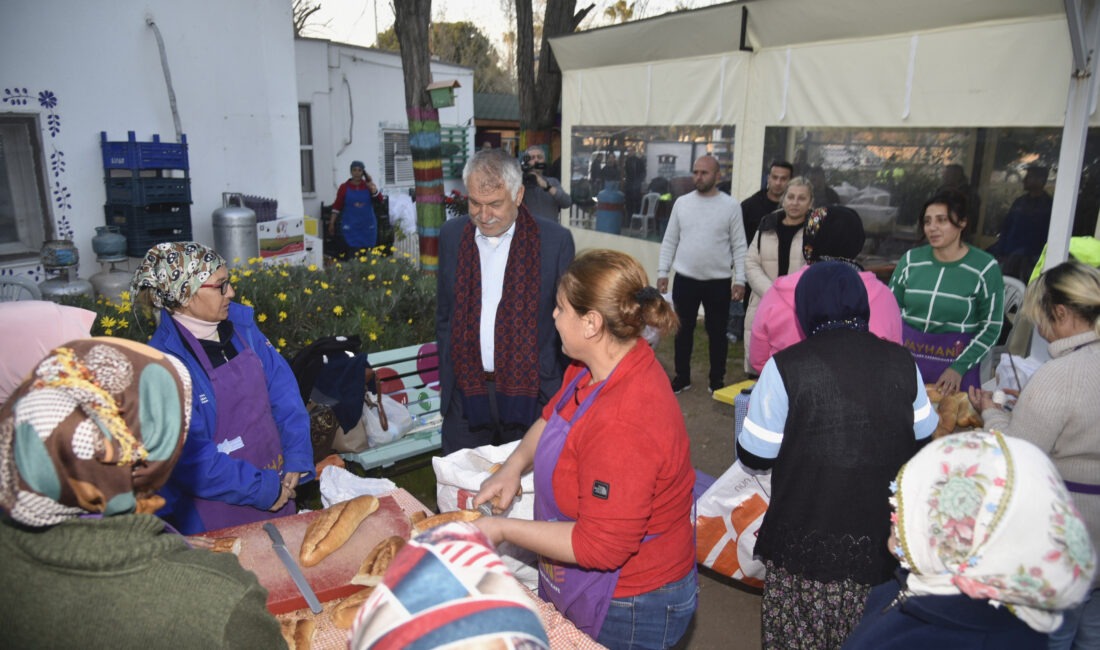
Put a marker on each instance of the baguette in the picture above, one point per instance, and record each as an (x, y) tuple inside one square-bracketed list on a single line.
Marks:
[(445, 518), (378, 560), (298, 633), (334, 527), (417, 517), (343, 614)]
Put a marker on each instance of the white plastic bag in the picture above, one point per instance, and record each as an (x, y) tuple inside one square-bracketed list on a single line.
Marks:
[(398, 418), (1012, 366), (728, 516), (338, 484), (458, 477)]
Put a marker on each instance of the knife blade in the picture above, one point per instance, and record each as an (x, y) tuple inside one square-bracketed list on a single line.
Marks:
[(292, 567)]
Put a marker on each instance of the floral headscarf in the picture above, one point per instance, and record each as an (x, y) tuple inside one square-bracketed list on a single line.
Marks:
[(174, 271), (97, 428), (988, 516), (834, 232)]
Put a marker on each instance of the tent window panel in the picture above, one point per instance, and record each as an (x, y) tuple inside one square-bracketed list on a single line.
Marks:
[(886, 175), (24, 218), (642, 160)]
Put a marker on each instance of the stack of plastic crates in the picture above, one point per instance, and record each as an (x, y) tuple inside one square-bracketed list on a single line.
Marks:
[(148, 191)]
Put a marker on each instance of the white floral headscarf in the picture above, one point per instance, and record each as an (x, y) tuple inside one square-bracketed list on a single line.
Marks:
[(988, 516)]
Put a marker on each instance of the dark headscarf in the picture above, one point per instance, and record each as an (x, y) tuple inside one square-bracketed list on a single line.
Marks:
[(831, 295), (97, 428), (833, 232)]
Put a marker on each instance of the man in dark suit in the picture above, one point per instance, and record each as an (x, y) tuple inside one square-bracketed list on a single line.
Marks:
[(500, 358)]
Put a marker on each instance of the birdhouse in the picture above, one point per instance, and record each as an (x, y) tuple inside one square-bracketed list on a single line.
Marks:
[(442, 92)]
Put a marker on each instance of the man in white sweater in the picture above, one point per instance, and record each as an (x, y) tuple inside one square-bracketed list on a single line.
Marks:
[(705, 245)]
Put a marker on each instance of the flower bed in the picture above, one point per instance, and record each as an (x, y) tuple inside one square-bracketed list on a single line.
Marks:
[(381, 297)]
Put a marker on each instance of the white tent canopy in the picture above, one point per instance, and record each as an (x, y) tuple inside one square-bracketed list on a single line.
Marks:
[(839, 63)]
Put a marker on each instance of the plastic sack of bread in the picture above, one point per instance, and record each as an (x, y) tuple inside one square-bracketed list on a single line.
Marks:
[(728, 517)]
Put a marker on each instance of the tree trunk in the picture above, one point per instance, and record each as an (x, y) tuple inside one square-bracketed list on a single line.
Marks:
[(540, 95), (411, 20)]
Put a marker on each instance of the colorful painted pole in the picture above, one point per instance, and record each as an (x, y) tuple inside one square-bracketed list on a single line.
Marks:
[(425, 145)]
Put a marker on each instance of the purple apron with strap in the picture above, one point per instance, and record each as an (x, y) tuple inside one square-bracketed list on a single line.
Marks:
[(357, 222), (582, 595), (245, 429), (935, 353)]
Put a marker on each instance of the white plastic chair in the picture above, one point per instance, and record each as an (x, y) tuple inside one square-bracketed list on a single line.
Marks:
[(18, 287), (1014, 299), (647, 213)]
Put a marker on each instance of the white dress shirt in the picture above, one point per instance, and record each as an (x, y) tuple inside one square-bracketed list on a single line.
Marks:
[(493, 252)]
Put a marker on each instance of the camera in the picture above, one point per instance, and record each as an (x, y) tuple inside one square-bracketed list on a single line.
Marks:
[(528, 168)]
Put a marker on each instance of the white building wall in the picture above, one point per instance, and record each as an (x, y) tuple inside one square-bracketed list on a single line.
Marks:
[(231, 65), (357, 93)]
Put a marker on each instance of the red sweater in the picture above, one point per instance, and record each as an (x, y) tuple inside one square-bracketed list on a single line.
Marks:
[(632, 439)]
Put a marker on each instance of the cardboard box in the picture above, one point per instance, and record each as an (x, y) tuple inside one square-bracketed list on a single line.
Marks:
[(297, 259), (281, 236)]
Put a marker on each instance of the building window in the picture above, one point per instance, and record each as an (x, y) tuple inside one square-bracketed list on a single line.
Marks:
[(305, 134), (397, 157), (453, 139), (24, 219)]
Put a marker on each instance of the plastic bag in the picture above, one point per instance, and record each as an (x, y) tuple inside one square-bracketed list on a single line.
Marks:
[(399, 420), (728, 516), (458, 477), (338, 484)]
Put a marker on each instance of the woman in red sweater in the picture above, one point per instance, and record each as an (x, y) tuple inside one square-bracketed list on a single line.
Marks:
[(613, 475)]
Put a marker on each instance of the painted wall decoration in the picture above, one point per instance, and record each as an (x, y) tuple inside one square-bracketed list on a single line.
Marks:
[(59, 189)]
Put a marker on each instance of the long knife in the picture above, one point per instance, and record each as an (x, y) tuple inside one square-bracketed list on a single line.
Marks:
[(292, 568)]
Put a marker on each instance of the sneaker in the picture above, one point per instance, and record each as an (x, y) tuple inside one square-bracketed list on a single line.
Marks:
[(714, 387), (679, 385), (731, 337)]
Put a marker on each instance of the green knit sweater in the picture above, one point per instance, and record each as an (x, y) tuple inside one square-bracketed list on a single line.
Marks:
[(121, 582), (966, 295)]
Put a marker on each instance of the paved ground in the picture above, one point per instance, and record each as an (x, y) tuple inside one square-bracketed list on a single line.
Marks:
[(729, 613)]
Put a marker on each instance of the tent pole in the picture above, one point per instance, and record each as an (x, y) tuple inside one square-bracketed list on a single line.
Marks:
[(1082, 86)]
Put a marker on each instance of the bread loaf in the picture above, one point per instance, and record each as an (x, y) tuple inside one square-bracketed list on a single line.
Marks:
[(378, 560), (445, 518), (298, 633), (956, 413), (333, 527), (343, 614)]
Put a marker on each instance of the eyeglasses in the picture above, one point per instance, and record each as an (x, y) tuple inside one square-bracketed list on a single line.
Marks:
[(223, 287)]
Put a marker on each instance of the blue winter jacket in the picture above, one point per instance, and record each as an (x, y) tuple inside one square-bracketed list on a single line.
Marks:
[(205, 472)]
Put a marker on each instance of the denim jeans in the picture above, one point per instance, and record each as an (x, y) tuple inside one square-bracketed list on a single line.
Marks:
[(1080, 629), (655, 619)]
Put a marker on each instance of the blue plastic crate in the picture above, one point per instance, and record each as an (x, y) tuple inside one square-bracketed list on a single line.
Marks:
[(144, 191), (136, 155)]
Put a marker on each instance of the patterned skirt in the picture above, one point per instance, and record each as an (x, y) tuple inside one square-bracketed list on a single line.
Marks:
[(798, 612)]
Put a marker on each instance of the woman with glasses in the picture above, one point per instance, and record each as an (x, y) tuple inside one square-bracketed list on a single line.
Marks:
[(248, 446)]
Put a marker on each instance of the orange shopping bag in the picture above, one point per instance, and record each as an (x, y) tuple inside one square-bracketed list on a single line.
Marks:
[(728, 517)]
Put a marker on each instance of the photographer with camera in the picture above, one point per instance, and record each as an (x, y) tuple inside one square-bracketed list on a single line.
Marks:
[(542, 196)]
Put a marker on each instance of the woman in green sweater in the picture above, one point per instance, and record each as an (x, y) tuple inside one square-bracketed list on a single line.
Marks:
[(84, 444), (951, 297)]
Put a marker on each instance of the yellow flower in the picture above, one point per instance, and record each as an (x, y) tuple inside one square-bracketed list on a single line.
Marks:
[(405, 277), (124, 308), (338, 310), (123, 324), (246, 302), (363, 259), (261, 318), (282, 316), (282, 343), (311, 268), (281, 296), (247, 273), (307, 291), (108, 332), (107, 322), (410, 321), (373, 262), (324, 285), (284, 274), (370, 278), (373, 336), (389, 292), (125, 296)]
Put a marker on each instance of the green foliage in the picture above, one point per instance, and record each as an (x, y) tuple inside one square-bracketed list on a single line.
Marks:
[(381, 297), (461, 43)]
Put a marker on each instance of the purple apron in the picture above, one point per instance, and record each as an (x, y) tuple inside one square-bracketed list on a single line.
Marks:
[(245, 428), (582, 595), (935, 353), (357, 221)]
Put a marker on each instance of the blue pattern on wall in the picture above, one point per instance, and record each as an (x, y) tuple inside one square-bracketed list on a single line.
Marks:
[(60, 191)]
